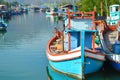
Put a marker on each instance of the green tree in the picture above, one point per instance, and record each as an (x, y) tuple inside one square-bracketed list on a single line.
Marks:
[(5, 3), (63, 3), (1, 1), (15, 3), (88, 5)]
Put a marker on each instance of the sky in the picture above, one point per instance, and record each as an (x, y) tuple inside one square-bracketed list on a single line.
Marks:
[(32, 1), (39, 1), (36, 1)]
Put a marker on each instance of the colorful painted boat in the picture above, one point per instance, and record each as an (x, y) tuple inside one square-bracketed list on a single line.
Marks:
[(114, 17), (73, 50), (56, 75), (3, 25), (109, 32)]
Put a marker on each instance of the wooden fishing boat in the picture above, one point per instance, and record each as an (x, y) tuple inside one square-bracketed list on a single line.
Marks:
[(73, 50), (109, 32)]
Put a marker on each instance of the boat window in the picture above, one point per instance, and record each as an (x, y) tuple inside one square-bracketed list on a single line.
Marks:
[(111, 9), (114, 9), (117, 8), (63, 9), (48, 10), (115, 14), (113, 23)]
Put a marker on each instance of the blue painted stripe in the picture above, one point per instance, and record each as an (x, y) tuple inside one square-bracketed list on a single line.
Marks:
[(82, 44), (82, 50)]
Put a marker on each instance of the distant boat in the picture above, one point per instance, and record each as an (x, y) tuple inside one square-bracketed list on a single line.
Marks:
[(51, 11), (110, 36), (114, 17), (63, 9), (4, 11), (36, 9), (3, 25), (24, 9), (73, 50)]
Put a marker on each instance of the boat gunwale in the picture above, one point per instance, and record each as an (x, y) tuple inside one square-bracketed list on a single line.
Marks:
[(50, 54)]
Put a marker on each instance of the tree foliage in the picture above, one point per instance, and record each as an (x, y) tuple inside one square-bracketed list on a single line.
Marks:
[(4, 2), (88, 5), (15, 3), (1, 1), (63, 3)]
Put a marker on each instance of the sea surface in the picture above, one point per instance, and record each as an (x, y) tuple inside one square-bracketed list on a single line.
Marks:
[(23, 50)]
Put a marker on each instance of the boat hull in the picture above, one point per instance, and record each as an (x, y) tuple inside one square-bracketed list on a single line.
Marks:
[(2, 28), (51, 13), (116, 65), (55, 75), (74, 66), (109, 39), (3, 25), (114, 60)]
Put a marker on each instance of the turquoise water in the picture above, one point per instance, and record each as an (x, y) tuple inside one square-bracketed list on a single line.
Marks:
[(23, 46)]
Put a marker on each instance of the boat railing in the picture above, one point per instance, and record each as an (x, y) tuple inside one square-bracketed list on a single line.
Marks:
[(80, 15), (83, 15)]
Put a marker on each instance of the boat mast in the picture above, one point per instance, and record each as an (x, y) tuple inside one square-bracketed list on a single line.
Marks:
[(106, 6), (68, 12), (82, 51), (101, 8)]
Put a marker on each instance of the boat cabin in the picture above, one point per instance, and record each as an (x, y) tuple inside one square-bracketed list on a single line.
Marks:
[(3, 7), (114, 15)]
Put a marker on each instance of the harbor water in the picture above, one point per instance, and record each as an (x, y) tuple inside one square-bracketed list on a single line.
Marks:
[(23, 50)]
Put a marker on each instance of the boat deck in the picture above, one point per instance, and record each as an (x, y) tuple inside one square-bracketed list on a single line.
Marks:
[(57, 47)]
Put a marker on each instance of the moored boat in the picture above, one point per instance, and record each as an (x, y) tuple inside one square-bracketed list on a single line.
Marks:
[(73, 50), (3, 25), (36, 8), (109, 32), (52, 11)]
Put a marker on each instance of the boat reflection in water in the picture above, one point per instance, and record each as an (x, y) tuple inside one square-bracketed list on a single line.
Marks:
[(2, 33), (55, 75), (107, 74), (53, 20)]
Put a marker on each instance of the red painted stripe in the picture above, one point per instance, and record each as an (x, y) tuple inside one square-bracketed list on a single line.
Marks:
[(62, 53)]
